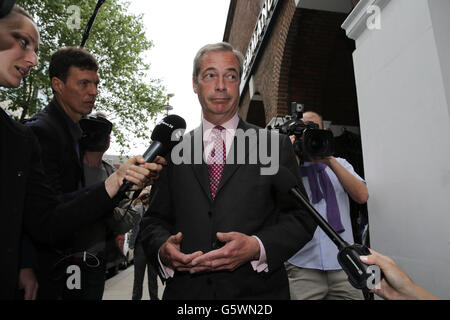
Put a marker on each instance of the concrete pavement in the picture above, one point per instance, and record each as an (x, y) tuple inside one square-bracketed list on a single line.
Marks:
[(120, 287)]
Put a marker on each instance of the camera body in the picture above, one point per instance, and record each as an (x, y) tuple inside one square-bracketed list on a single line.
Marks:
[(310, 141), (96, 132)]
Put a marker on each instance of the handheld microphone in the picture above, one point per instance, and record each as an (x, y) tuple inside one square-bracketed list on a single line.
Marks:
[(359, 274), (162, 142), (5, 7)]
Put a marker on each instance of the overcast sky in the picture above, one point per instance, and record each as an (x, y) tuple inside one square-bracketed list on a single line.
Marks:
[(178, 28)]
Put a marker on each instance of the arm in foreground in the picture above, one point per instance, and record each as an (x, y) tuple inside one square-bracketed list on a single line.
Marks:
[(396, 285)]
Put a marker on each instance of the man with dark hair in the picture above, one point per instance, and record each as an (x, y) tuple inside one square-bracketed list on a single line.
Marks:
[(65, 58), (74, 80)]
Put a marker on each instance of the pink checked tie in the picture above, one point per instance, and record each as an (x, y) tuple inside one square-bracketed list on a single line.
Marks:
[(216, 159)]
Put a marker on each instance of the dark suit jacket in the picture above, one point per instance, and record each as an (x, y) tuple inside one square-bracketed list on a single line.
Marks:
[(28, 202), (61, 162), (245, 202)]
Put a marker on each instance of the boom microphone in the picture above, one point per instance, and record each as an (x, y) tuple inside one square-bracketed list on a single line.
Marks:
[(162, 141), (348, 256), (91, 22), (5, 7)]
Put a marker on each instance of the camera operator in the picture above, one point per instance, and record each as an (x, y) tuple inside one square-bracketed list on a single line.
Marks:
[(314, 272)]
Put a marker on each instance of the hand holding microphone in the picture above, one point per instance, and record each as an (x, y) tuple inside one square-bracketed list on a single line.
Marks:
[(359, 274), (165, 136), (136, 171)]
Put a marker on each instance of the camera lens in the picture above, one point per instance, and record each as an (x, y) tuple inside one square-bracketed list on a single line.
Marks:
[(318, 143)]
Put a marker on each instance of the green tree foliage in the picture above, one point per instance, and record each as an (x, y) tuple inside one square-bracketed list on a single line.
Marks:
[(117, 39)]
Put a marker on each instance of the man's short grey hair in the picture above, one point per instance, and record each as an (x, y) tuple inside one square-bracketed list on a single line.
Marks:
[(220, 46)]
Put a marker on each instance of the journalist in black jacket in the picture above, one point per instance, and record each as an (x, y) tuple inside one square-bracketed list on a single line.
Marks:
[(29, 204), (58, 135)]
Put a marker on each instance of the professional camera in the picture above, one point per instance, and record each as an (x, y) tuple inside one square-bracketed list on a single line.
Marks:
[(310, 141), (96, 132)]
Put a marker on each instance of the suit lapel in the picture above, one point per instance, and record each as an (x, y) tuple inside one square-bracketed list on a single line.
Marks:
[(198, 162), (233, 164), (58, 120)]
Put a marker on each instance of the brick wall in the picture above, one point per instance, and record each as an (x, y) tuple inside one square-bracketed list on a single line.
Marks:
[(243, 22), (318, 67), (306, 58), (268, 67)]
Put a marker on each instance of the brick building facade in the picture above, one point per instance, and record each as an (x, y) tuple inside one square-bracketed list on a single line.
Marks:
[(305, 57), (399, 54), (296, 51)]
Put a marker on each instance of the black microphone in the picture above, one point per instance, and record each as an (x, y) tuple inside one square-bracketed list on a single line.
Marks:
[(5, 7), (162, 142), (348, 257)]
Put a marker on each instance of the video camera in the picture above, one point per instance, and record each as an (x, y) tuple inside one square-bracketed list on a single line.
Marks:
[(96, 132), (310, 141)]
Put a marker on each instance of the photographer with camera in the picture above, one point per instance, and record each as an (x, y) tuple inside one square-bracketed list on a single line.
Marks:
[(314, 272)]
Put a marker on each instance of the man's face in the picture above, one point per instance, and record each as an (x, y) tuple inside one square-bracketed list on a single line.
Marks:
[(218, 86), (314, 117), (77, 95), (19, 44)]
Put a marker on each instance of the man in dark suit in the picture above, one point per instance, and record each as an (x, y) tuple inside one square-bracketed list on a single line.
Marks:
[(221, 230)]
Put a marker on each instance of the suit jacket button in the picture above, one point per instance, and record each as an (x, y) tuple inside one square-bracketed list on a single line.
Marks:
[(209, 281), (209, 214)]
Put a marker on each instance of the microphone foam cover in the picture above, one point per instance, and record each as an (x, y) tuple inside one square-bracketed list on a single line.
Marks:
[(164, 129)]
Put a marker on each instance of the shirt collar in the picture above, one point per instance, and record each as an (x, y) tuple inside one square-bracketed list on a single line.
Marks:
[(74, 128), (230, 126)]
